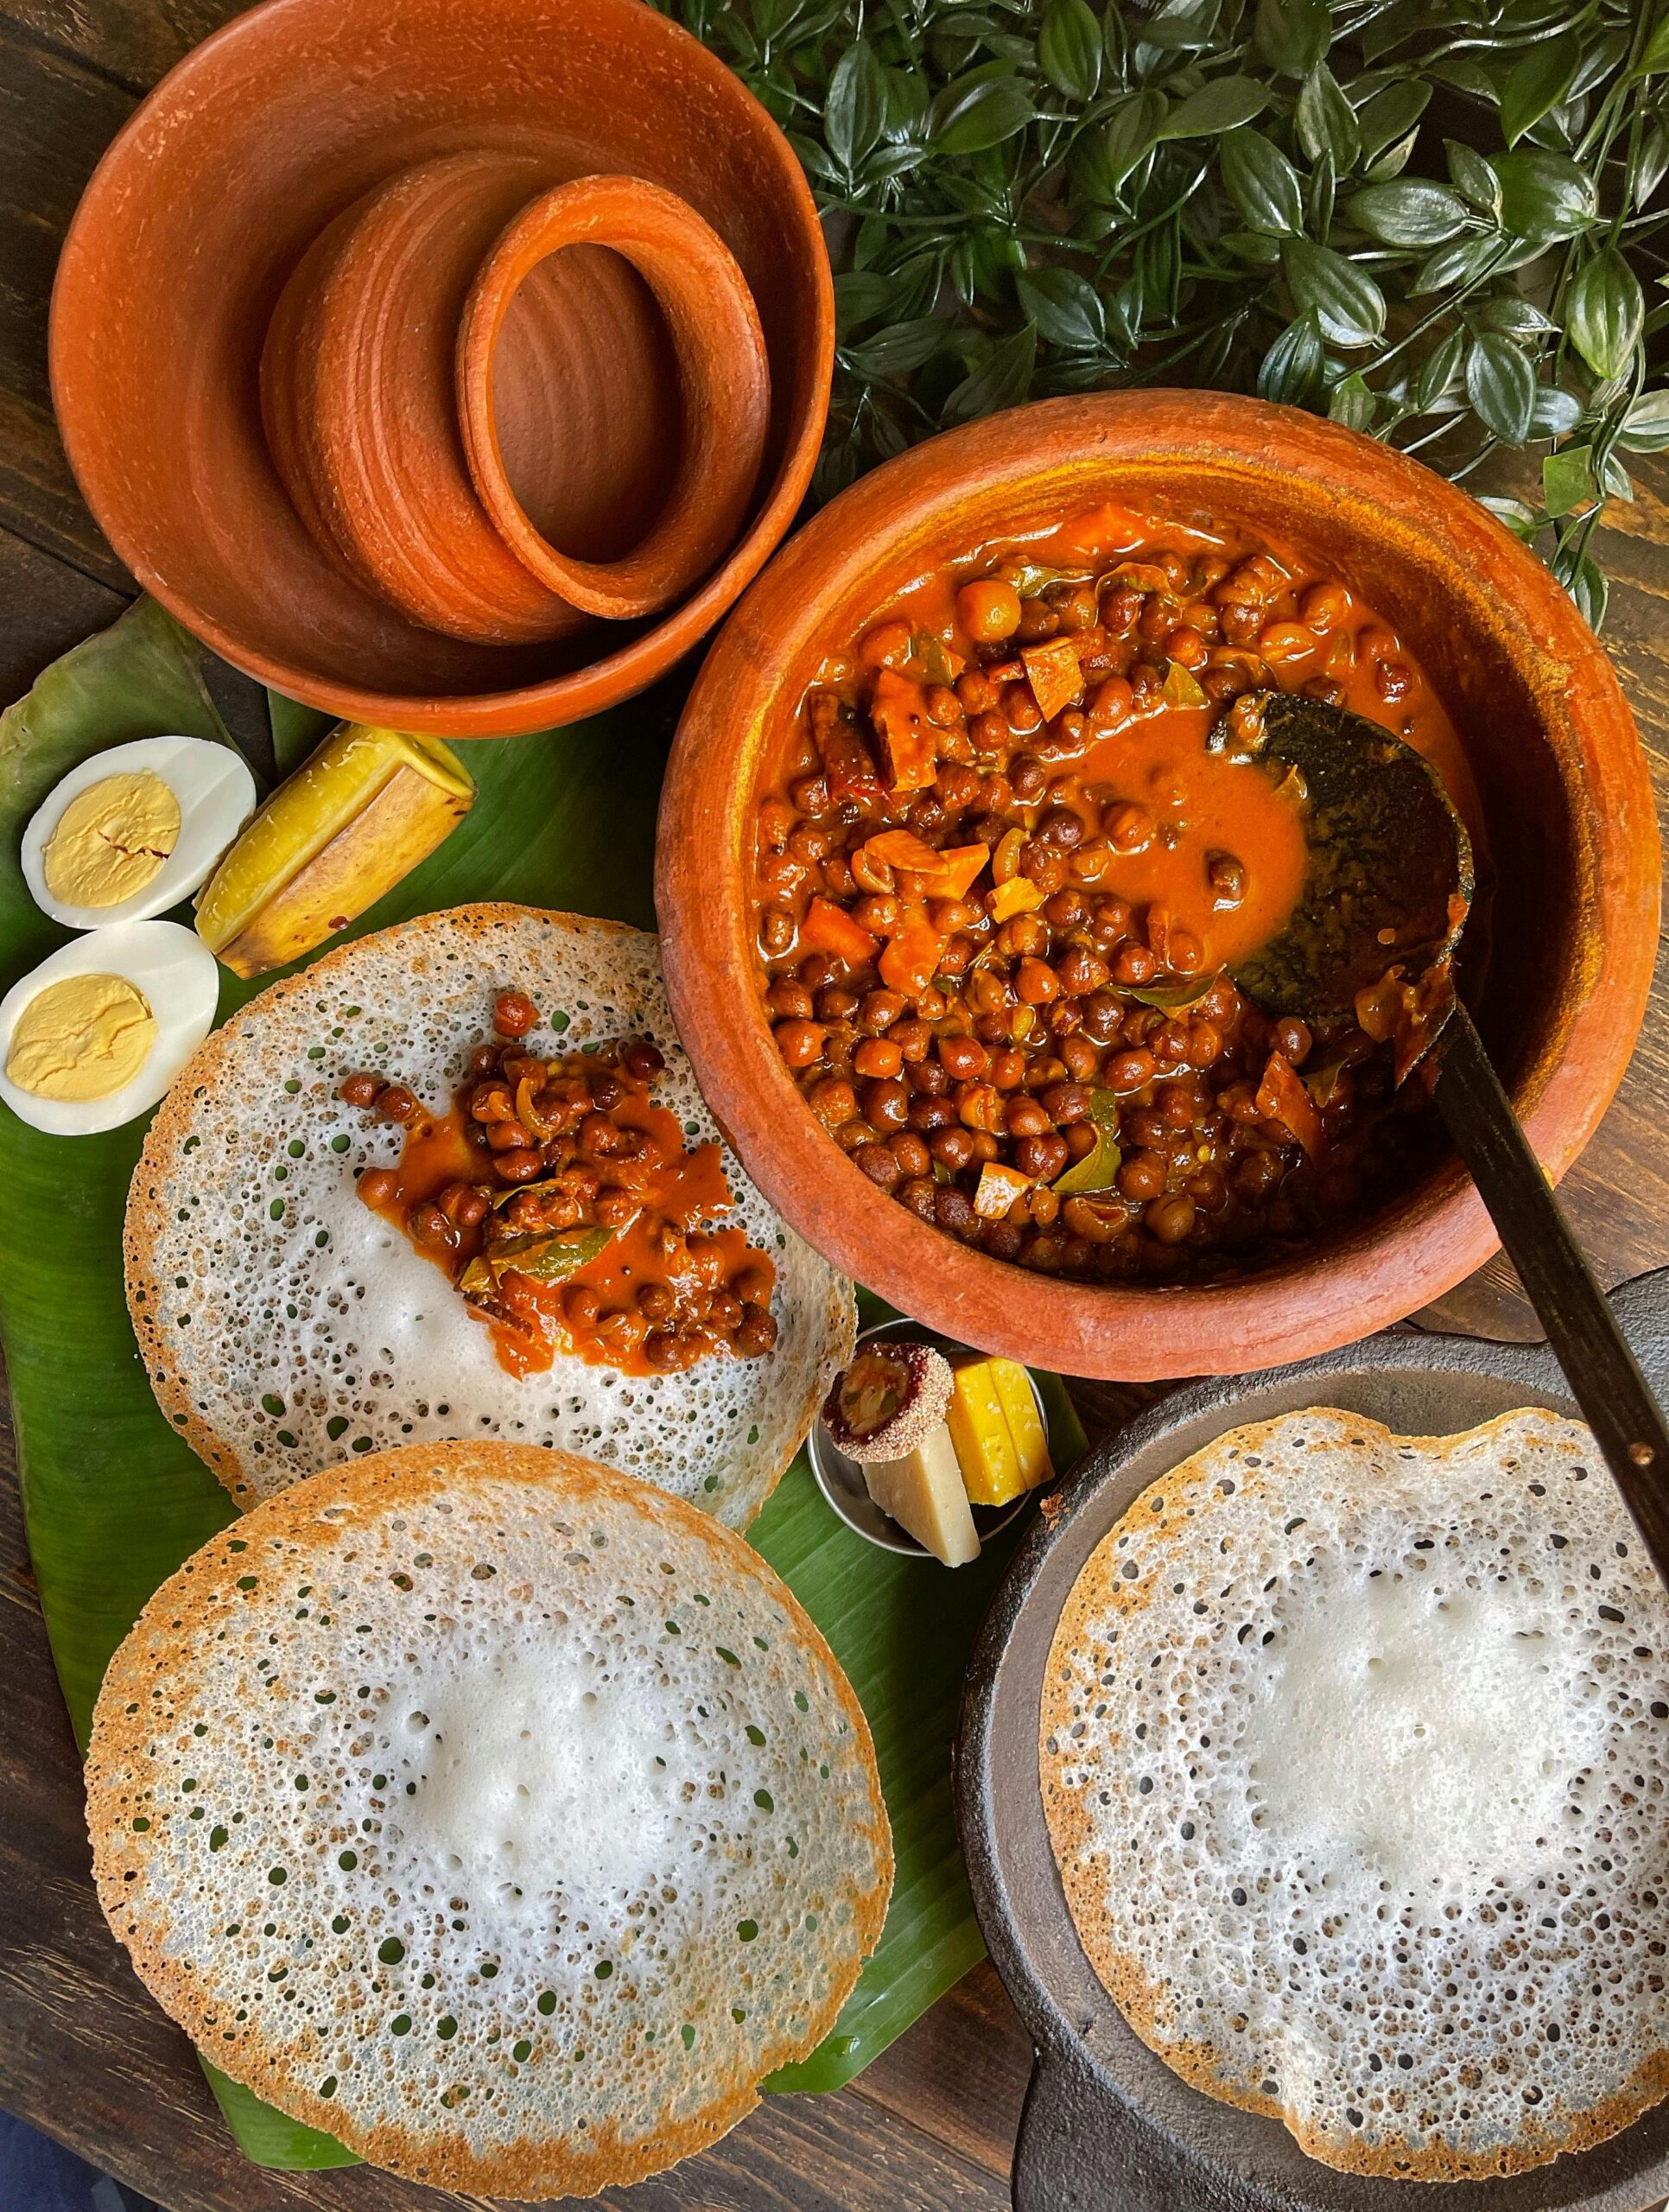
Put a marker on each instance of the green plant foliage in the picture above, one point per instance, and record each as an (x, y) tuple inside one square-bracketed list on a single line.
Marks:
[(1436, 221)]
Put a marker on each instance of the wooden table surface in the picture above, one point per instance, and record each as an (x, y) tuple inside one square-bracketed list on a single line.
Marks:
[(84, 2054)]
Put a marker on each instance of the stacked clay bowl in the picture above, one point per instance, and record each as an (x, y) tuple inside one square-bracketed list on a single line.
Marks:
[(514, 484)]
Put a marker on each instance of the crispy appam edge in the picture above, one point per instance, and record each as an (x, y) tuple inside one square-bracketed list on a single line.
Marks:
[(1148, 2007), (119, 1747), (148, 1210)]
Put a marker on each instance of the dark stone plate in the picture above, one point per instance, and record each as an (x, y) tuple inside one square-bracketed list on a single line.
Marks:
[(1108, 2126)]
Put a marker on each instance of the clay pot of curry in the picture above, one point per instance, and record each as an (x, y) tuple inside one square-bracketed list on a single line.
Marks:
[(960, 852)]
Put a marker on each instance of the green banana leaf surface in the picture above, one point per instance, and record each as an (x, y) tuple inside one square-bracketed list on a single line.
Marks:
[(113, 1500)]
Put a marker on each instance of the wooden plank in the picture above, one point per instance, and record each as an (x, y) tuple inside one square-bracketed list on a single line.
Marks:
[(132, 40), (960, 2074), (48, 609), (56, 117)]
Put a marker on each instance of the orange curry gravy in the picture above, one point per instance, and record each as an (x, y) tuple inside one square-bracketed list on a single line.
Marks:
[(1011, 865), (567, 1209)]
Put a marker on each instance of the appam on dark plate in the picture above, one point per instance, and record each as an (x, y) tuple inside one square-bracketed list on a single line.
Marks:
[(1354, 1758), (504, 1817)]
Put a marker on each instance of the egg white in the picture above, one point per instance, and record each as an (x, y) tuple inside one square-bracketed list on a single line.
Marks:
[(175, 973), (216, 796)]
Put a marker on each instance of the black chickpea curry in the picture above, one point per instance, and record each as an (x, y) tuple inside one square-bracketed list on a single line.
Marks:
[(1002, 887)]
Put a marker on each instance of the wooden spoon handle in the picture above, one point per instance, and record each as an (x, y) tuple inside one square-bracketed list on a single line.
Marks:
[(1604, 1376)]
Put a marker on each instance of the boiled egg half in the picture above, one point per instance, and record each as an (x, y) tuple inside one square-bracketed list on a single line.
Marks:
[(135, 830), (97, 1032)]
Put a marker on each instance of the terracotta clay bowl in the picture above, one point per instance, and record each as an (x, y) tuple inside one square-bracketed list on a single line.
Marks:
[(724, 383), (357, 382), (208, 199), (1548, 739)]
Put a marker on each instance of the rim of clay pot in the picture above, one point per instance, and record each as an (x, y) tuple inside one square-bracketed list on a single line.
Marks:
[(273, 60), (723, 374), (1537, 706), (358, 404)]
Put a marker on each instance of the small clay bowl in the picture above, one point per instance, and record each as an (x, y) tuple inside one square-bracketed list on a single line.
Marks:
[(357, 398), (724, 381), (217, 186), (1566, 800)]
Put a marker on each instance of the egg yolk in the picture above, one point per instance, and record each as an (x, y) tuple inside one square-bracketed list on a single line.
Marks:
[(111, 840), (81, 1039)]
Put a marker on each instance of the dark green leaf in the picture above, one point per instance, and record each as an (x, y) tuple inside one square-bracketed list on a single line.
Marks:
[(295, 731), (1348, 305), (1262, 183), (1653, 163), (1254, 246), (1555, 413), (861, 294), (1292, 368), (1319, 197), (1513, 313), (1502, 386), (896, 350), (1567, 480), (1101, 160), (1467, 74), (1587, 586), (856, 113), (1539, 81), (1351, 403), (1218, 106), (1646, 426), (1097, 1170), (1293, 35), (1065, 307), (1544, 195), (1454, 265), (1069, 48), (1473, 177), (970, 115), (1410, 214), (1440, 371), (1654, 55), (1524, 522), (1327, 122), (1176, 30), (1604, 308), (1000, 379), (1391, 114)]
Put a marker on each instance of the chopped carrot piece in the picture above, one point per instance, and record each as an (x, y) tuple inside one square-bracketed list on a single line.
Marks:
[(828, 928), (958, 867), (903, 849), (1282, 1097), (1055, 678), (909, 960), (1019, 895), (999, 1188), (909, 741)]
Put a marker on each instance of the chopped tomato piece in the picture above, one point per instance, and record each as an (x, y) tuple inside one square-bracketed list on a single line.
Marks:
[(1282, 1097), (829, 928), (909, 960), (1055, 678), (909, 741)]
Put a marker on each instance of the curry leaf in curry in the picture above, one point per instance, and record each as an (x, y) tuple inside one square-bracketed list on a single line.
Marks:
[(1441, 223)]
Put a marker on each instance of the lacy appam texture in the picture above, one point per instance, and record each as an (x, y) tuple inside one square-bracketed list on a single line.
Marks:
[(501, 1815), (284, 1325), (1355, 1759)]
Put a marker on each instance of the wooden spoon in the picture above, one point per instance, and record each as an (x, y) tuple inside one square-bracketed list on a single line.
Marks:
[(1386, 896)]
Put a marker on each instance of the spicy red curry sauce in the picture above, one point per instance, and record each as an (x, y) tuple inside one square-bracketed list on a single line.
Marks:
[(1003, 882), (567, 1209)]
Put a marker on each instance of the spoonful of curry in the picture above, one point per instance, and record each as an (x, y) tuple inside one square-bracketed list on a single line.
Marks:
[(1386, 896)]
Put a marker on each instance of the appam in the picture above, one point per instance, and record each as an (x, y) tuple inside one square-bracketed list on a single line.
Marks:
[(284, 1325), (503, 1816), (1354, 1768)]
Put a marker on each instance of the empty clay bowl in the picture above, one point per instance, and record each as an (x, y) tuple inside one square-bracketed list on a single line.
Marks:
[(1565, 795), (357, 382), (724, 383), (202, 207)]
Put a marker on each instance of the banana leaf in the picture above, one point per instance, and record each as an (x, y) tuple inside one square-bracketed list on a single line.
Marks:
[(113, 1501)]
